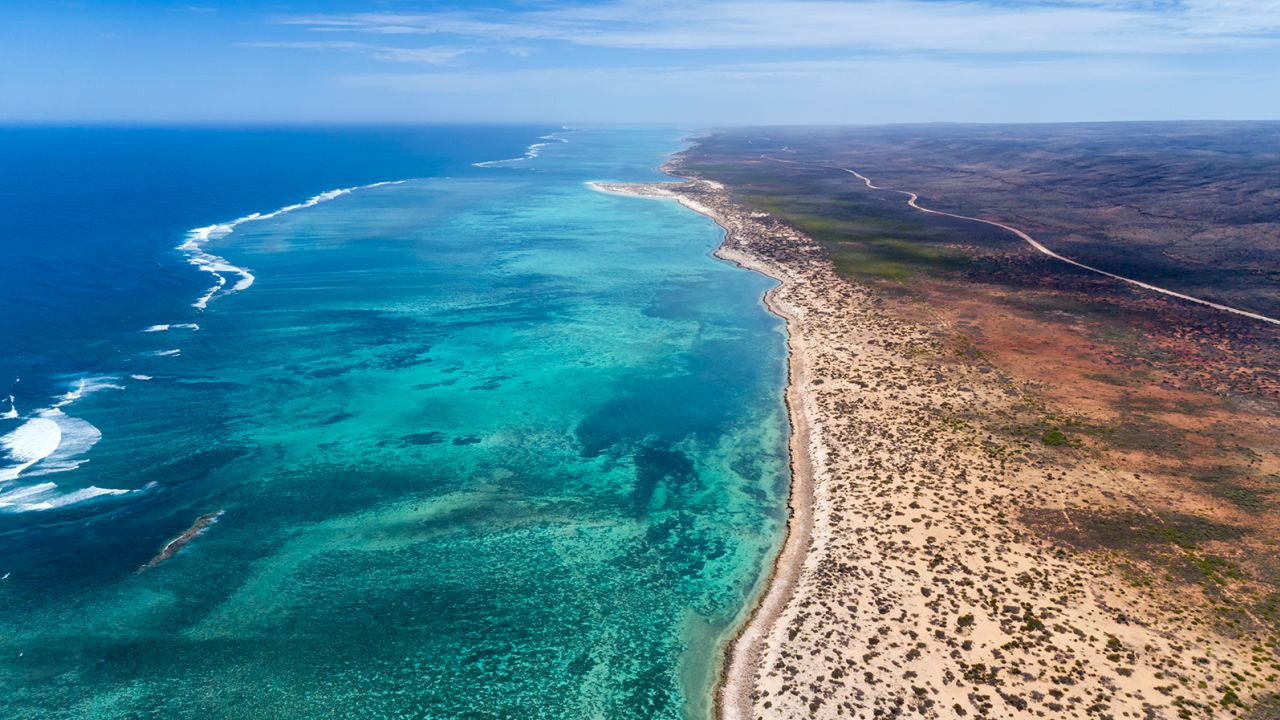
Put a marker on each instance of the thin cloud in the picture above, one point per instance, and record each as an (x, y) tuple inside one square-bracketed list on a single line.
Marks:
[(914, 72), (442, 55), (1234, 17), (1131, 27), (885, 89)]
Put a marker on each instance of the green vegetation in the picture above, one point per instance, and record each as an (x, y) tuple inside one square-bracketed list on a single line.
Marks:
[(867, 240), (1054, 437), (1215, 569), (1231, 698), (1135, 531), (1055, 429), (1174, 542), (889, 258), (1236, 485), (1187, 531), (1243, 497)]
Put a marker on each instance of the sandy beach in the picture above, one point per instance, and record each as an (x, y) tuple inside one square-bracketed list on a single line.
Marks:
[(917, 576)]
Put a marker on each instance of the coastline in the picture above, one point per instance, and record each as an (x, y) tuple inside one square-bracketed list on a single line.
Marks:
[(732, 694), (632, 587), (912, 577)]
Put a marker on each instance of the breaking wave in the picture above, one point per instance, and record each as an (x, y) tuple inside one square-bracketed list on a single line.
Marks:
[(50, 441), (220, 267), (531, 152), (178, 326)]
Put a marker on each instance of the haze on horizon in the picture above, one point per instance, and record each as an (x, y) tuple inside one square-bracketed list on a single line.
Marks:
[(718, 62)]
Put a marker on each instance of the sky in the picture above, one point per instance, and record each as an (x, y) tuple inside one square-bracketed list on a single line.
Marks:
[(718, 62)]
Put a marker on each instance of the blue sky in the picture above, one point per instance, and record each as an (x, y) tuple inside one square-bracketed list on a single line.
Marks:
[(715, 62)]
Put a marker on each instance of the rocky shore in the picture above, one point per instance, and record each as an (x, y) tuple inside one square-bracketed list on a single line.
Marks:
[(917, 576)]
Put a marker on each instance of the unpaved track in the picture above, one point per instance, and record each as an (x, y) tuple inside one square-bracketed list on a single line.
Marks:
[(913, 200)]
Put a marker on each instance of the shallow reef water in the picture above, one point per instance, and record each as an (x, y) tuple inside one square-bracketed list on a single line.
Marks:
[(484, 443)]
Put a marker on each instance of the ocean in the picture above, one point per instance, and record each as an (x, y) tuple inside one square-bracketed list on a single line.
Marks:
[(443, 432)]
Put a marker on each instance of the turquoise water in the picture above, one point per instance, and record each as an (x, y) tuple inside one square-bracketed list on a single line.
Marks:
[(488, 445)]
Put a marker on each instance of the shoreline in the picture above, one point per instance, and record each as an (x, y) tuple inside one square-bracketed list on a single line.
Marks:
[(915, 575), (732, 693)]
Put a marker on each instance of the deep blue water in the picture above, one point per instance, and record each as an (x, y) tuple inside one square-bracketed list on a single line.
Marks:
[(481, 443), (90, 217)]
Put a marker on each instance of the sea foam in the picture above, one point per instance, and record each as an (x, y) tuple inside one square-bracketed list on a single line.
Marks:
[(530, 153), (33, 441), (85, 385), (50, 441), (45, 496), (177, 326), (220, 267), (50, 437)]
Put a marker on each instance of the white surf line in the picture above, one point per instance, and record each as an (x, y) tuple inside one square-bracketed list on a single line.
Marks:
[(216, 265), (913, 201), (531, 152)]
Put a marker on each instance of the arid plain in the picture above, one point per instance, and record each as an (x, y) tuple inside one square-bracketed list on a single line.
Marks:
[(1021, 488)]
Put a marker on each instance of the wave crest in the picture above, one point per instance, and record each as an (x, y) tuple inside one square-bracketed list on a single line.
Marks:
[(50, 441), (220, 267), (530, 153)]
